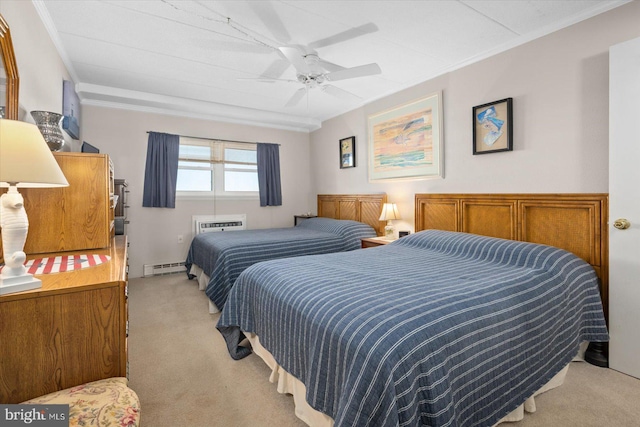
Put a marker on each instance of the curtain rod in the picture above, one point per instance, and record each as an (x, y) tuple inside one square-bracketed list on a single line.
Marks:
[(215, 139)]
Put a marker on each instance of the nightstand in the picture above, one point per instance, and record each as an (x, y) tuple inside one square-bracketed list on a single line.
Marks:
[(298, 218), (372, 242)]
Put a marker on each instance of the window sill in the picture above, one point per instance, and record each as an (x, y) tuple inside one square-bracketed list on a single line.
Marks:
[(208, 197)]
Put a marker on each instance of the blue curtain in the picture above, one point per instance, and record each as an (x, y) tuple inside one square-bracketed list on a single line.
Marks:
[(161, 172), (269, 174)]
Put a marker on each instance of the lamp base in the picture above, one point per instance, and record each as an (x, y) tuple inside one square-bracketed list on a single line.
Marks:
[(10, 285), (388, 231)]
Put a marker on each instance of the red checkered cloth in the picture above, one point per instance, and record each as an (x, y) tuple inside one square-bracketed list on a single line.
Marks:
[(60, 264)]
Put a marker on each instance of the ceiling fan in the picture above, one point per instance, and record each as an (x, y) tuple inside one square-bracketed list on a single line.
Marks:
[(313, 72)]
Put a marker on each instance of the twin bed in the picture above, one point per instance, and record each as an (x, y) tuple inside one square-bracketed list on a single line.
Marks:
[(217, 259), (460, 324)]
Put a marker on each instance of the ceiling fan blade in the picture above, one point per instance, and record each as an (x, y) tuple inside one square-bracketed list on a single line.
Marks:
[(349, 34), (277, 68), (267, 14), (295, 57), (266, 80), (330, 67), (340, 93), (349, 73), (297, 96), (231, 46)]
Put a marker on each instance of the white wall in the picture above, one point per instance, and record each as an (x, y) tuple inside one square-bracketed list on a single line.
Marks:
[(153, 232), (559, 86), (40, 67)]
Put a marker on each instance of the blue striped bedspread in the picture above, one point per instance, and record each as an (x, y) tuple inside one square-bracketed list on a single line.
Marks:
[(435, 329), (224, 255)]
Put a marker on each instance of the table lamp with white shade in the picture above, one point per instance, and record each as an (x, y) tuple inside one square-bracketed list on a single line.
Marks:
[(25, 161), (389, 213)]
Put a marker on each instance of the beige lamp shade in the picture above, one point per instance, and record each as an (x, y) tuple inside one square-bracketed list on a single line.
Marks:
[(389, 212), (25, 158)]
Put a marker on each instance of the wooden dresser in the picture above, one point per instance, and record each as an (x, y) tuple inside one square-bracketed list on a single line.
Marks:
[(80, 216), (71, 331)]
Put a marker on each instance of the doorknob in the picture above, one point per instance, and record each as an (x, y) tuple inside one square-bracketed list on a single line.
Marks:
[(621, 224)]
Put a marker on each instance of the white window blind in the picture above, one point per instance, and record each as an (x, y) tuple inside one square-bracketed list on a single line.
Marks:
[(216, 168)]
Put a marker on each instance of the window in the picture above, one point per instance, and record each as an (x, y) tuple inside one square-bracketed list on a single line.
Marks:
[(212, 168)]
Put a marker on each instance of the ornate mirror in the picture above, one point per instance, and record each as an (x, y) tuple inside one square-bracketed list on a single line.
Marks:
[(9, 80)]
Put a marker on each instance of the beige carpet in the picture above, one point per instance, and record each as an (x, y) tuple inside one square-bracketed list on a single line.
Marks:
[(180, 368)]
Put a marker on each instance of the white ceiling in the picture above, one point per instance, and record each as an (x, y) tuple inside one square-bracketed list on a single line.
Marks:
[(186, 57)]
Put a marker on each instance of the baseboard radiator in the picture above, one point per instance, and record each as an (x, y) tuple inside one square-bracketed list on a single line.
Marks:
[(165, 268), (200, 224)]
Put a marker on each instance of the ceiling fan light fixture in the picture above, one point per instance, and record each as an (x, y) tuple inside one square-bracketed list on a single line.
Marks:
[(311, 59), (311, 80)]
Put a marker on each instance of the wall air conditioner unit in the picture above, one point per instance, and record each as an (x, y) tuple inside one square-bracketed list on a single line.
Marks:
[(213, 223)]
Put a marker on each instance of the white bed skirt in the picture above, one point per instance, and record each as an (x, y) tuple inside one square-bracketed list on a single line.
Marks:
[(287, 383), (203, 281)]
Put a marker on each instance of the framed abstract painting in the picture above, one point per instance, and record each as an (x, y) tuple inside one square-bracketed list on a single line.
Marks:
[(493, 127), (405, 142)]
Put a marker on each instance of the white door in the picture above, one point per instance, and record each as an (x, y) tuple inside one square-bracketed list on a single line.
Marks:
[(624, 203)]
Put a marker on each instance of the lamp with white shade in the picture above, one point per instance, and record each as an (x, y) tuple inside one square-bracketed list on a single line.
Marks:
[(389, 213), (25, 161)]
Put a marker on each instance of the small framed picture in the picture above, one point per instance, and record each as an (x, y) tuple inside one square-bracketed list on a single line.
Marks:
[(493, 127), (348, 152)]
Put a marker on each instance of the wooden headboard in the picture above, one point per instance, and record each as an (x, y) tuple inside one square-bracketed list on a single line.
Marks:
[(358, 207), (574, 222)]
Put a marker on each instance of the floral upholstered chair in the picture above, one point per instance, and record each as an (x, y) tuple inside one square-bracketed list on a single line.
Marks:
[(103, 403)]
